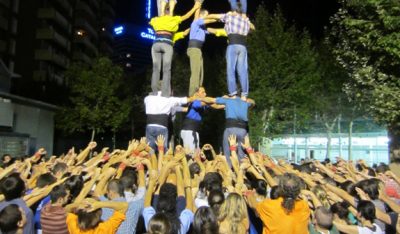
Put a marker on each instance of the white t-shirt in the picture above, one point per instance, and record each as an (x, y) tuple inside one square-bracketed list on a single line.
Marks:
[(366, 230)]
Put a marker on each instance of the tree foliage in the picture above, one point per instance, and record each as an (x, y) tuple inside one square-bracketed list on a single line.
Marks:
[(366, 34), (283, 71), (96, 100)]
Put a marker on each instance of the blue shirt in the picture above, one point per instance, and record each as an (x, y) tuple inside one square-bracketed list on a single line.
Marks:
[(195, 111), (29, 227), (197, 30), (235, 108), (42, 203), (132, 214)]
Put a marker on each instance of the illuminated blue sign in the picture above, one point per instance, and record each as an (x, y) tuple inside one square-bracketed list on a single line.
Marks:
[(118, 30), (149, 34), (148, 9)]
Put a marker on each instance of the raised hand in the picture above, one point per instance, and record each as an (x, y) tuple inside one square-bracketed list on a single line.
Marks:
[(232, 140)]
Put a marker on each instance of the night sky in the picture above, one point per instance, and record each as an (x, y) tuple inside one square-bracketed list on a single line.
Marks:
[(310, 14)]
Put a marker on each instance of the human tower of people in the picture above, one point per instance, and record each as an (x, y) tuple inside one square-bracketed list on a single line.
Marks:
[(149, 188)]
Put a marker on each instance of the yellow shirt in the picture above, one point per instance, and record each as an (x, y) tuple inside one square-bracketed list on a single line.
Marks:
[(177, 36), (221, 33), (166, 23), (107, 227), (276, 221)]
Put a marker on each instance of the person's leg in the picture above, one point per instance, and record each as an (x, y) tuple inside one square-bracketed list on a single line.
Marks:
[(233, 4), (167, 61), (201, 68), (156, 56), (244, 6), (151, 138), (231, 59), (225, 145), (242, 69), (172, 4), (164, 132), (194, 56), (240, 135), (188, 139)]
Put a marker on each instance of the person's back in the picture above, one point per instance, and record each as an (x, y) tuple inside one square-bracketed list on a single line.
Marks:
[(277, 220)]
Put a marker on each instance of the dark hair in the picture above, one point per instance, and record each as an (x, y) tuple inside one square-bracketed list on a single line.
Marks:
[(370, 187), (167, 205), (12, 186), (382, 168), (366, 210), (12, 160), (212, 181), (45, 179), (58, 192), (74, 184), (371, 171), (159, 224), (194, 169), (290, 186), (275, 192), (260, 186), (88, 220), (129, 182), (116, 186), (215, 200), (347, 186), (205, 221), (341, 209), (59, 167), (9, 218)]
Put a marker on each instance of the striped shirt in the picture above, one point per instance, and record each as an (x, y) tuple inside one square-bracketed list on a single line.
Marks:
[(53, 220), (236, 23)]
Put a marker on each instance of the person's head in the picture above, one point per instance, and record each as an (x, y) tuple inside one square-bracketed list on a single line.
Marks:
[(129, 182), (59, 195), (323, 218), (260, 186), (74, 185), (45, 179), (341, 210), (159, 224), (290, 187), (275, 192), (6, 158), (12, 218), (347, 186), (321, 195), (12, 187), (212, 181), (201, 92), (115, 189), (205, 221), (215, 199), (370, 187), (366, 211), (59, 169), (203, 13), (194, 169), (382, 168), (88, 220), (233, 210)]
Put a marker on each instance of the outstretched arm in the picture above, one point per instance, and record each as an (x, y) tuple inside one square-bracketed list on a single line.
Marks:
[(190, 13)]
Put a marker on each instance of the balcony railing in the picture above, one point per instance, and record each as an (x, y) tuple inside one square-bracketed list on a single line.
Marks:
[(82, 23), (51, 13), (3, 23), (3, 46), (79, 56), (85, 41), (66, 5), (49, 55), (108, 9), (86, 8), (51, 34), (5, 3)]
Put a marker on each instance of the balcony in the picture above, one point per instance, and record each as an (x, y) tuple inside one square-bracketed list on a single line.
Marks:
[(39, 75), (50, 34), (81, 23), (5, 3), (66, 5), (83, 6), (85, 41), (94, 4), (3, 23), (107, 36), (3, 46), (49, 55), (106, 48), (79, 56), (108, 10), (53, 14)]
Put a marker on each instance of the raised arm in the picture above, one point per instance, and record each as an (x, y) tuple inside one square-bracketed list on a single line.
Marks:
[(83, 155), (190, 13)]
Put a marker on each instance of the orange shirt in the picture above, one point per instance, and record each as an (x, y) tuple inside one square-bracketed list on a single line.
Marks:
[(276, 221), (109, 226)]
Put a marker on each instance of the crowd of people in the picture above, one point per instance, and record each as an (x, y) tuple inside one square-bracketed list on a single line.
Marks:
[(137, 190)]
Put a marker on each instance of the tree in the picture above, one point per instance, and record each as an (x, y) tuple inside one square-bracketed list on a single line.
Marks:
[(96, 102), (283, 71), (366, 34)]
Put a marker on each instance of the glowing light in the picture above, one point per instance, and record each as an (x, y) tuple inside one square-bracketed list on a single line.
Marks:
[(148, 9), (119, 30)]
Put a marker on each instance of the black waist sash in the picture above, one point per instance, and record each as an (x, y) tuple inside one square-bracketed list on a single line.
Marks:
[(191, 124), (161, 119), (235, 123), (237, 39), (195, 44)]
